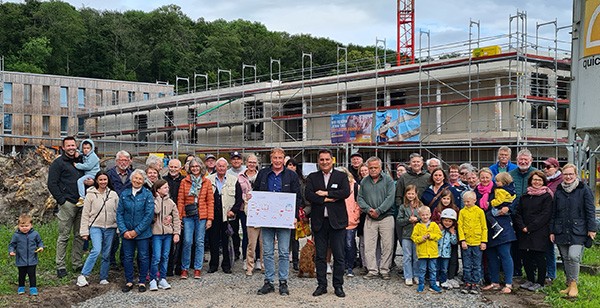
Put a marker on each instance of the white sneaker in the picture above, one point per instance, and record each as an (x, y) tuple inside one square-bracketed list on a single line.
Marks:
[(153, 286), (81, 281), (446, 285), (245, 266), (257, 265), (163, 284), (103, 281), (408, 282), (329, 270), (454, 283), (416, 280)]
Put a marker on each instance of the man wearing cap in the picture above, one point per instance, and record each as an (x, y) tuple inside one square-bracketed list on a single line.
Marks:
[(552, 173), (210, 161), (236, 164), (356, 160)]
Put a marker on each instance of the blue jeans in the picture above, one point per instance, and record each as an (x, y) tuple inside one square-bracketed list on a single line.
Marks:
[(424, 265), (500, 256), (194, 229), (551, 262), (442, 265), (410, 263), (101, 242), (129, 247), (472, 264), (283, 240), (81, 185), (350, 249), (161, 244)]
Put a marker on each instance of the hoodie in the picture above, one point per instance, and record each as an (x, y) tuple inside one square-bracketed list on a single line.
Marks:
[(91, 162)]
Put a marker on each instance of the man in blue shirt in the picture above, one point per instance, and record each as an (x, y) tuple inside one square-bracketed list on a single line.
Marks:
[(277, 178)]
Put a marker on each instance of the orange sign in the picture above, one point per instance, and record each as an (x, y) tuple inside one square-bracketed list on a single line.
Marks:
[(591, 30)]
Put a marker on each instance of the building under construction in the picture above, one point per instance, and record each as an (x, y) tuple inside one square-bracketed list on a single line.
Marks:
[(468, 98)]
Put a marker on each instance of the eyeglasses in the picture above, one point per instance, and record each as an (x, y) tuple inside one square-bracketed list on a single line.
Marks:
[(464, 173), (569, 174)]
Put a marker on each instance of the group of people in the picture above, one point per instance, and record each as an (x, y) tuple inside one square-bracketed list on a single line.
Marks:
[(501, 218)]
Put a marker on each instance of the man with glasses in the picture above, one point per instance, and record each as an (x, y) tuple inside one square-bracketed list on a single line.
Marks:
[(504, 164)]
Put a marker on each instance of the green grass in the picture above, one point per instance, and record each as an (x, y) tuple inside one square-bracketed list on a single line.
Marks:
[(591, 256), (589, 292), (46, 269)]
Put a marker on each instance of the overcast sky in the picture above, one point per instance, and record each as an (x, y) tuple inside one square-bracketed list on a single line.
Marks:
[(361, 21)]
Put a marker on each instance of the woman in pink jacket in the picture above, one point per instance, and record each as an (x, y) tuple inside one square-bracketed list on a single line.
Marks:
[(353, 218)]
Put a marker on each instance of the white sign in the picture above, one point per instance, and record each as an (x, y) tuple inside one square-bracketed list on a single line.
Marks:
[(272, 209)]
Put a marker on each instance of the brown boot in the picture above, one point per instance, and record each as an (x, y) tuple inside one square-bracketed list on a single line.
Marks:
[(566, 291), (573, 292)]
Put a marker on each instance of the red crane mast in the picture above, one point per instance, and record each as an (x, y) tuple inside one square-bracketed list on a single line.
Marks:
[(406, 32)]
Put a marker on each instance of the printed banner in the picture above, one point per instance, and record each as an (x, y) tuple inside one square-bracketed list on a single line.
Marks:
[(397, 125), (351, 127)]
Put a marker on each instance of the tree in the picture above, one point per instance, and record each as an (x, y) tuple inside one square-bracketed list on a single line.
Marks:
[(32, 58)]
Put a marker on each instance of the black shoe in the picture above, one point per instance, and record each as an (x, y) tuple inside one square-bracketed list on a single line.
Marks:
[(266, 288), (296, 268), (126, 288), (320, 291), (227, 271), (339, 292), (142, 288), (212, 270), (61, 272), (283, 288)]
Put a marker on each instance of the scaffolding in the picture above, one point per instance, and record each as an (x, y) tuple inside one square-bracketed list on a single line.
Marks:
[(469, 104), (2, 119)]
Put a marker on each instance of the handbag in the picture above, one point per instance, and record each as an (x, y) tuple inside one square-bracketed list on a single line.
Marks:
[(191, 209), (302, 226)]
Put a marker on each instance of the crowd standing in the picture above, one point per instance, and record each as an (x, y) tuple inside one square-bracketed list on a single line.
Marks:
[(500, 219)]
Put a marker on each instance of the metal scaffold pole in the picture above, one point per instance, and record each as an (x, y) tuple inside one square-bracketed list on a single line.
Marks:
[(2, 104)]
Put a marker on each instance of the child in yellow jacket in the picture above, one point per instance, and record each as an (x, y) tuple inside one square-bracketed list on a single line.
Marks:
[(426, 235), (472, 235)]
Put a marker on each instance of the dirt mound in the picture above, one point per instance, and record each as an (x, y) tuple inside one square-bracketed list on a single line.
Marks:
[(23, 185)]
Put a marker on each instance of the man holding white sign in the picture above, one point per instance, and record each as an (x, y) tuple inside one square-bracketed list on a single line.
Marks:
[(277, 179), (327, 190)]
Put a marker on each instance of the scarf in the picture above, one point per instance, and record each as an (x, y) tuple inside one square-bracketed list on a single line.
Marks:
[(552, 177), (570, 187), (196, 185), (485, 195), (539, 191)]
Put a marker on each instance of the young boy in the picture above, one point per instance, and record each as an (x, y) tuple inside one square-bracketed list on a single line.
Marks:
[(90, 164), (504, 195), (426, 236), (472, 234), (24, 245)]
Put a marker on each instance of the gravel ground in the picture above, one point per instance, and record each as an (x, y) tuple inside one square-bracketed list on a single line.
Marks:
[(235, 290)]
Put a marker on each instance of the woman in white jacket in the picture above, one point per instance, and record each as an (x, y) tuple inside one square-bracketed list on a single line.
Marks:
[(98, 223)]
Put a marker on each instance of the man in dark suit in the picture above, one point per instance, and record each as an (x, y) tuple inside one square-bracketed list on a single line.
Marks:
[(327, 190)]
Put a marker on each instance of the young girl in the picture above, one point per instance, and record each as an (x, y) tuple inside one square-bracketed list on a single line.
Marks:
[(445, 244), (408, 217), (166, 227), (24, 245), (446, 202)]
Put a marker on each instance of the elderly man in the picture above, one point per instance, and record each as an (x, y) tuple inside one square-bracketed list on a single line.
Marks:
[(236, 161), (503, 164), (120, 178), (414, 175), (228, 201), (356, 160), (327, 190), (277, 178), (62, 183), (520, 176), (432, 164), (210, 162), (376, 199), (235, 170), (464, 170), (174, 178)]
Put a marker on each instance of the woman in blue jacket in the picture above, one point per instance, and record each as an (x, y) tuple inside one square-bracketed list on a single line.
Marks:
[(573, 223), (134, 220)]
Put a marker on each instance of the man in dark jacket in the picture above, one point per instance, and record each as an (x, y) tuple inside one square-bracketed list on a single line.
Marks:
[(277, 178), (62, 183), (327, 190), (414, 175), (119, 176), (174, 178)]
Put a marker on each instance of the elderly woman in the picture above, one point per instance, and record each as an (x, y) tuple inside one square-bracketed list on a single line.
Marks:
[(246, 180), (152, 175), (572, 224), (195, 203), (498, 248), (98, 223), (134, 219), (531, 222)]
